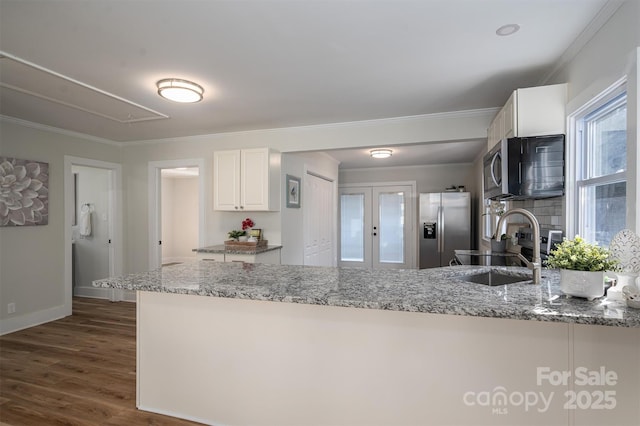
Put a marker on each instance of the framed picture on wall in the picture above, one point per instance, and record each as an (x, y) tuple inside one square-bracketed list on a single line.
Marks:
[(293, 192), (25, 192)]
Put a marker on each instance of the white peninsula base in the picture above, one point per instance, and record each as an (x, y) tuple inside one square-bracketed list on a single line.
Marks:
[(245, 362)]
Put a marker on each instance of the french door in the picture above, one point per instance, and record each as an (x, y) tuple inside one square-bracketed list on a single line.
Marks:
[(376, 226)]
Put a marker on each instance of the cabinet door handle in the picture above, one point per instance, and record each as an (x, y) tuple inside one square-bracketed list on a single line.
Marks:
[(236, 207), (241, 207)]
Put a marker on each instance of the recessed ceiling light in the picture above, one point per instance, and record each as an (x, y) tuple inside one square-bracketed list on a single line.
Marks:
[(380, 153), (178, 90), (507, 30)]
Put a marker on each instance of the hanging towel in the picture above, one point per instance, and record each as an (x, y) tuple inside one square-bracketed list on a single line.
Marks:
[(85, 221)]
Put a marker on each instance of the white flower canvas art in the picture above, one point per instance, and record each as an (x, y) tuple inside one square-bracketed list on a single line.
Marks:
[(24, 192)]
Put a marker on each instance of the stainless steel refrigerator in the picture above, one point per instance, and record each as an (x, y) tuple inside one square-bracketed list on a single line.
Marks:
[(445, 226)]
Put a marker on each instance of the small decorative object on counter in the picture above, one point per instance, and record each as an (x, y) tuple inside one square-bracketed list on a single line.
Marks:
[(249, 238), (255, 233), (236, 234), (632, 296), (582, 266), (499, 246), (247, 224), (625, 248)]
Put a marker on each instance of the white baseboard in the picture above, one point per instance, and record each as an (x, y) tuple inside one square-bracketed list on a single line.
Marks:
[(177, 415), (92, 292), (9, 325), (115, 295)]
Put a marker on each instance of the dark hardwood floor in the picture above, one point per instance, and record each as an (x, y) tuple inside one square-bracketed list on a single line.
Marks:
[(80, 370)]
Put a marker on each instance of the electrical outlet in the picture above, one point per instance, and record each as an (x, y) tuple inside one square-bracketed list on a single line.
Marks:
[(11, 308)]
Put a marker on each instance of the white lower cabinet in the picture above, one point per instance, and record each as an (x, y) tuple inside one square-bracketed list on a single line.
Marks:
[(271, 257), (215, 257)]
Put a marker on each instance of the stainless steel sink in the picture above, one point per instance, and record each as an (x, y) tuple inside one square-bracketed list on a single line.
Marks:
[(494, 278)]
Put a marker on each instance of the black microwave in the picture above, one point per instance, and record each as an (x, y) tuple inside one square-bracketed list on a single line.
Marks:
[(525, 168)]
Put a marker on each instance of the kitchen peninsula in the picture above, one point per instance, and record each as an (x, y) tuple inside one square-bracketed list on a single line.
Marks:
[(223, 253), (216, 344)]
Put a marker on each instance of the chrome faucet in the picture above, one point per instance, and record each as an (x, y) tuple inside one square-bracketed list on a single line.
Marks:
[(536, 264)]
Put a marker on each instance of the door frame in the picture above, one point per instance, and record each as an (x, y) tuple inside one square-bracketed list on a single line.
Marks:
[(413, 209), (154, 204), (114, 222)]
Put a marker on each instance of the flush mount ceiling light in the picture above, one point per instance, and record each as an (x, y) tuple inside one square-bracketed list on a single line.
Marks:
[(178, 90), (507, 30), (380, 153)]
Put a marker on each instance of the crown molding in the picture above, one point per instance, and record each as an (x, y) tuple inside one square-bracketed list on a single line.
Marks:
[(46, 128)]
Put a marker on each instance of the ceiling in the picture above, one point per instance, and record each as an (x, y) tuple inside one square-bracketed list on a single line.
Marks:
[(411, 155), (91, 67)]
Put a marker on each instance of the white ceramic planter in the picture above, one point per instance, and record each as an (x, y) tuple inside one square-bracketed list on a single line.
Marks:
[(582, 283)]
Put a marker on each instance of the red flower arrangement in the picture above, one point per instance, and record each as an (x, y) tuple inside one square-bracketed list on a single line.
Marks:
[(247, 224)]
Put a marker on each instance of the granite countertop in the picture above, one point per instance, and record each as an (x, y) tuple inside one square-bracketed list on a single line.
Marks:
[(437, 291), (221, 248)]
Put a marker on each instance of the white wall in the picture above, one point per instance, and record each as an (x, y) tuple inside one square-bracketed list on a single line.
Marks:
[(431, 178), (32, 257), (610, 55), (179, 218), (92, 252), (292, 219), (438, 127)]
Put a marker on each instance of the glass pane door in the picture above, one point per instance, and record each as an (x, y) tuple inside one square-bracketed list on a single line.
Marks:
[(391, 235), (355, 225), (391, 227), (376, 227)]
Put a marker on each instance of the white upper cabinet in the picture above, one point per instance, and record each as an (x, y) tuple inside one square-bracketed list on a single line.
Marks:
[(246, 180), (533, 111)]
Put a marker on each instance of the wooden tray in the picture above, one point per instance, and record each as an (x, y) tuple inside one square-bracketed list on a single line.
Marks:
[(244, 245)]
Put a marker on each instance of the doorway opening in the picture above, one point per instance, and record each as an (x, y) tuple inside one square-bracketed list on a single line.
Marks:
[(93, 226), (376, 225), (176, 211)]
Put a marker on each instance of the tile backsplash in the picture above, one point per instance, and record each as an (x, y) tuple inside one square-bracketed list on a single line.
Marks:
[(549, 212)]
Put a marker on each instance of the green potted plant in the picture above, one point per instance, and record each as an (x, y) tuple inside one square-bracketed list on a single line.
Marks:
[(236, 234), (582, 266)]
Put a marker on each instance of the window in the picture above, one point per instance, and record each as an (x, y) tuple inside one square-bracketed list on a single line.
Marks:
[(492, 212), (600, 168)]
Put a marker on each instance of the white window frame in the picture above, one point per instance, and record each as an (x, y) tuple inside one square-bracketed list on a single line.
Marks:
[(490, 216), (573, 171)]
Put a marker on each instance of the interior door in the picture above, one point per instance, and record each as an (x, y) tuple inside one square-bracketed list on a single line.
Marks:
[(318, 221), (376, 227)]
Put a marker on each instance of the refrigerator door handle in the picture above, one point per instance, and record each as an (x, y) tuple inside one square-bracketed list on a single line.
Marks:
[(440, 229)]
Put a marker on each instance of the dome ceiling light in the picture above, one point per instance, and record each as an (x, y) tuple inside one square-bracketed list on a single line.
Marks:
[(380, 153), (507, 30), (178, 90)]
